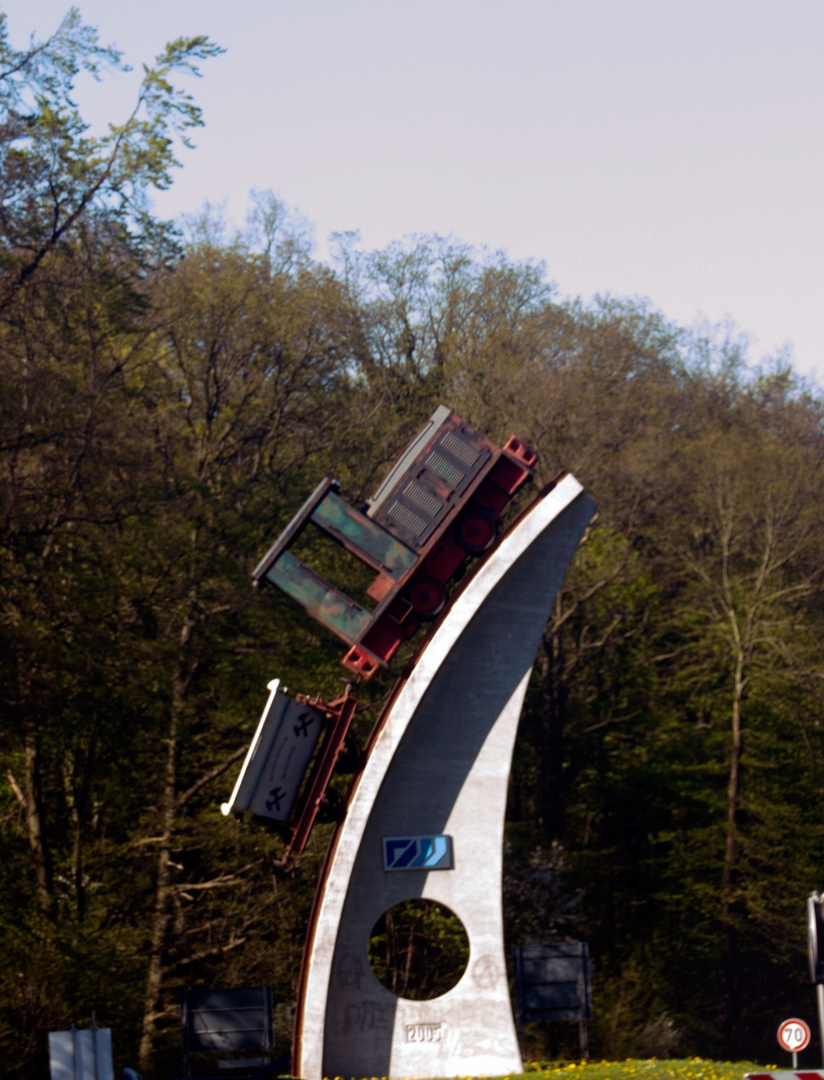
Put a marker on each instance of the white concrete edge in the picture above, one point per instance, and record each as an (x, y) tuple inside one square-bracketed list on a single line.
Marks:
[(226, 808), (537, 518)]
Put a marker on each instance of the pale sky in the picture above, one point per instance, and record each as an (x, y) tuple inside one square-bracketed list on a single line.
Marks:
[(667, 149)]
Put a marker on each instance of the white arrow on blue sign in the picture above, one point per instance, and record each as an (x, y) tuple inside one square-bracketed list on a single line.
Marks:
[(417, 853)]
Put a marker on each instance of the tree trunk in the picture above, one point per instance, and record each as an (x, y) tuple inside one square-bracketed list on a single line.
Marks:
[(152, 999), (78, 786), (730, 871), (162, 914), (34, 819)]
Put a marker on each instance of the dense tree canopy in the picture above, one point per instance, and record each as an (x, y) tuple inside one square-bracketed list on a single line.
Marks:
[(167, 404)]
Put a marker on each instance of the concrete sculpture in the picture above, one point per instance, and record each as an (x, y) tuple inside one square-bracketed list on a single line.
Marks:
[(436, 780), (425, 817)]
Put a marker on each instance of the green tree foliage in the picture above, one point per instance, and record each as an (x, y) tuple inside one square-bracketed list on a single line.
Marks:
[(53, 174), (419, 949), (161, 420)]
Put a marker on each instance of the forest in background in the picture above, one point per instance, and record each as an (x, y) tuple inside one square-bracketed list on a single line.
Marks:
[(169, 396)]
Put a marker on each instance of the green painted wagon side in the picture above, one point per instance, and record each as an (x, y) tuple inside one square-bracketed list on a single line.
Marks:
[(439, 505)]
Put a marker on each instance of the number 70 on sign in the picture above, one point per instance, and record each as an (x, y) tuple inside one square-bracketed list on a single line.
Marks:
[(793, 1035)]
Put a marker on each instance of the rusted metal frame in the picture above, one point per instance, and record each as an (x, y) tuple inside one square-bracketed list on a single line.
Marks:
[(383, 614), (474, 438), (422, 443), (365, 539), (395, 561), (328, 605), (359, 664), (294, 528), (368, 541), (520, 451), (452, 424), (523, 473), (453, 512), (342, 710)]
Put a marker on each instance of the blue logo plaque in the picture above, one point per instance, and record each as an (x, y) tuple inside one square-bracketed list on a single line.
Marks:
[(417, 853)]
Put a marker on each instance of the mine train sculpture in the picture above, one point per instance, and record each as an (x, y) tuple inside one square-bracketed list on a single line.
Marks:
[(439, 506)]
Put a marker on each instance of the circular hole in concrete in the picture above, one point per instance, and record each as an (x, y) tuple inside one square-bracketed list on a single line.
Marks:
[(419, 949)]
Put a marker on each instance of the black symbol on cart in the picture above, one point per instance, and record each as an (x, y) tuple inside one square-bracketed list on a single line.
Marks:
[(276, 797), (302, 728)]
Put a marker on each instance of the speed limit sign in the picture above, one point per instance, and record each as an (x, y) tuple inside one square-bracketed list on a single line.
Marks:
[(793, 1035)]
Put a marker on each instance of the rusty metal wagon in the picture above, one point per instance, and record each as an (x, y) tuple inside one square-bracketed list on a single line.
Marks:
[(439, 506)]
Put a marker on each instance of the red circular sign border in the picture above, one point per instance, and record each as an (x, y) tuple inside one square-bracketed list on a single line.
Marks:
[(793, 1049)]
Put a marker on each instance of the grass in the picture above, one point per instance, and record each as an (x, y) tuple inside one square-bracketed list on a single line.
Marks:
[(652, 1069), (694, 1068)]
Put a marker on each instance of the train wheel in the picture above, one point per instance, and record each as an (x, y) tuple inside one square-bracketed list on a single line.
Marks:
[(427, 597), (477, 533)]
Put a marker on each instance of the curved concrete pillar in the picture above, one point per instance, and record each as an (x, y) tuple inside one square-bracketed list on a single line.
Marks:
[(439, 766)]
